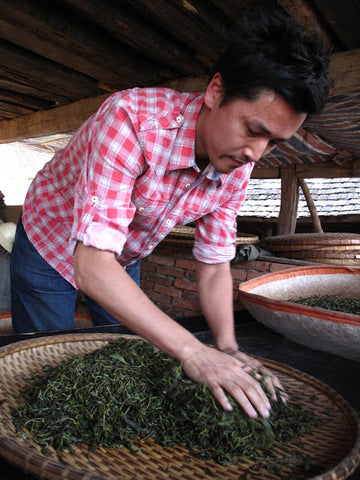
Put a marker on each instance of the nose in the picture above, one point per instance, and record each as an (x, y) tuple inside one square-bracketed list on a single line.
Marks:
[(257, 148)]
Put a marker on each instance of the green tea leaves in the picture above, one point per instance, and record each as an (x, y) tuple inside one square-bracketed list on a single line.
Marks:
[(127, 392)]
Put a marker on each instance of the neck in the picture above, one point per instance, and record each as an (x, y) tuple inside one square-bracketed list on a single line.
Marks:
[(202, 163)]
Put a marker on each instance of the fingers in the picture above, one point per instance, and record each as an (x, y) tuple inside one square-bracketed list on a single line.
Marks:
[(225, 374), (260, 373), (274, 386), (247, 392)]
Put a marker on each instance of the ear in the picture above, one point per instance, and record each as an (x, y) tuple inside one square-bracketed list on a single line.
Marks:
[(214, 91)]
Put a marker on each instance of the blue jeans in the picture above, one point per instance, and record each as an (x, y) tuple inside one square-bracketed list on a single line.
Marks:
[(41, 299)]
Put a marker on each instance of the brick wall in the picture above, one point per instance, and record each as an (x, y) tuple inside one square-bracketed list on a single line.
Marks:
[(168, 278)]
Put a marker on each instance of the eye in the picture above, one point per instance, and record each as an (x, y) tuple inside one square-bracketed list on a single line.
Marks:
[(275, 142), (251, 132), (271, 145)]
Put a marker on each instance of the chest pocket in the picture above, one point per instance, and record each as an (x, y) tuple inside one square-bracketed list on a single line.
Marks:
[(149, 195), (201, 202)]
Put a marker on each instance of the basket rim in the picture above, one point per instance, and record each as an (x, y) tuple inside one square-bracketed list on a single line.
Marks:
[(293, 307)]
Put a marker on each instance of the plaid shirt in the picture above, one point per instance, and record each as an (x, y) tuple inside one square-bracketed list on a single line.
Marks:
[(126, 178)]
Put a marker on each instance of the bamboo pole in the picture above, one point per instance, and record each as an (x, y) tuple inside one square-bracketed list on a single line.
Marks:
[(311, 206)]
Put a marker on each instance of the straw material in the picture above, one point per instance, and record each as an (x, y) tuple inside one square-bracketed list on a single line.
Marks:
[(334, 445), (80, 320), (267, 299), (184, 235), (332, 248)]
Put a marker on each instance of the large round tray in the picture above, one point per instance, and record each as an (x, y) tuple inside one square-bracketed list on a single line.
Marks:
[(268, 296), (334, 445)]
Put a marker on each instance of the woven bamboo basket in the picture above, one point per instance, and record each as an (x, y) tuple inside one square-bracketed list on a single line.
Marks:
[(333, 445), (331, 248), (80, 320), (267, 299), (185, 235)]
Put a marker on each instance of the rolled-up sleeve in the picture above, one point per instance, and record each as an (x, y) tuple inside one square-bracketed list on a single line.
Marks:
[(215, 236), (103, 208)]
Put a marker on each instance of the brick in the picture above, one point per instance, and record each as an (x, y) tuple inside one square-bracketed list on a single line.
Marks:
[(154, 296), (174, 312), (170, 271), (144, 285), (276, 267), (187, 304), (160, 259), (256, 265), (185, 284), (147, 266), (191, 295), (163, 249), (168, 291), (159, 279), (186, 264), (190, 275), (183, 253), (254, 275), (238, 274)]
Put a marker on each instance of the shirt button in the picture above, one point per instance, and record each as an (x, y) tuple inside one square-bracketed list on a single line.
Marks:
[(141, 209), (179, 119), (94, 200), (169, 222), (188, 185), (150, 247)]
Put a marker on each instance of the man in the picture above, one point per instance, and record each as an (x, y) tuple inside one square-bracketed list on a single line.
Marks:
[(153, 158)]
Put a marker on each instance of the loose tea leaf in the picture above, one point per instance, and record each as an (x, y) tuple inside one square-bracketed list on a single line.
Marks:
[(331, 302), (127, 392)]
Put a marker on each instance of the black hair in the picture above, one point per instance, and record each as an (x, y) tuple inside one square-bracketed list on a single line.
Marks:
[(270, 51)]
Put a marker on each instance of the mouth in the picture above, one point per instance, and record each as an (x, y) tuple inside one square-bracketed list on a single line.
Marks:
[(236, 161)]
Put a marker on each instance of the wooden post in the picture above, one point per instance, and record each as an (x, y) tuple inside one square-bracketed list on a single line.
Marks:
[(289, 201), (311, 206)]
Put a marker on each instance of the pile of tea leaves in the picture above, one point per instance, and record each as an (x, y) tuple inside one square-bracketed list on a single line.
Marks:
[(127, 392), (337, 303)]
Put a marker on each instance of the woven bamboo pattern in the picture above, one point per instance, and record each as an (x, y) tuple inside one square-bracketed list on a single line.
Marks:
[(81, 320), (184, 235), (332, 248), (267, 299), (334, 445)]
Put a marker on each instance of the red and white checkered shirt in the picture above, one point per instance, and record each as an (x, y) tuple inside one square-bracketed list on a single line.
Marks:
[(126, 178)]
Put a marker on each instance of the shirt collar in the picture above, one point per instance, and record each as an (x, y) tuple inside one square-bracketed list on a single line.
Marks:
[(184, 150), (212, 174), (187, 134)]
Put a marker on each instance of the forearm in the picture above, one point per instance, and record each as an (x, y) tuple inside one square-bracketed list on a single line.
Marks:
[(215, 286), (99, 275)]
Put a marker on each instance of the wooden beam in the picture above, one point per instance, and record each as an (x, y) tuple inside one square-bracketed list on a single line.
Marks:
[(63, 119), (134, 30), (68, 118), (319, 170), (303, 14), (344, 73), (63, 37), (173, 16), (289, 201), (344, 22)]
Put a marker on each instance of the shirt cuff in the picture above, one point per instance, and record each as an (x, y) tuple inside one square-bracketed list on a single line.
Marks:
[(214, 254), (102, 238)]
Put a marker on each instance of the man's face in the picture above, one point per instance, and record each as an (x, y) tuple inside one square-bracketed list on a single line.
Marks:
[(242, 131)]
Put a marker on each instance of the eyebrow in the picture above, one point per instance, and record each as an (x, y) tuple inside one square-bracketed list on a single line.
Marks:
[(263, 129)]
